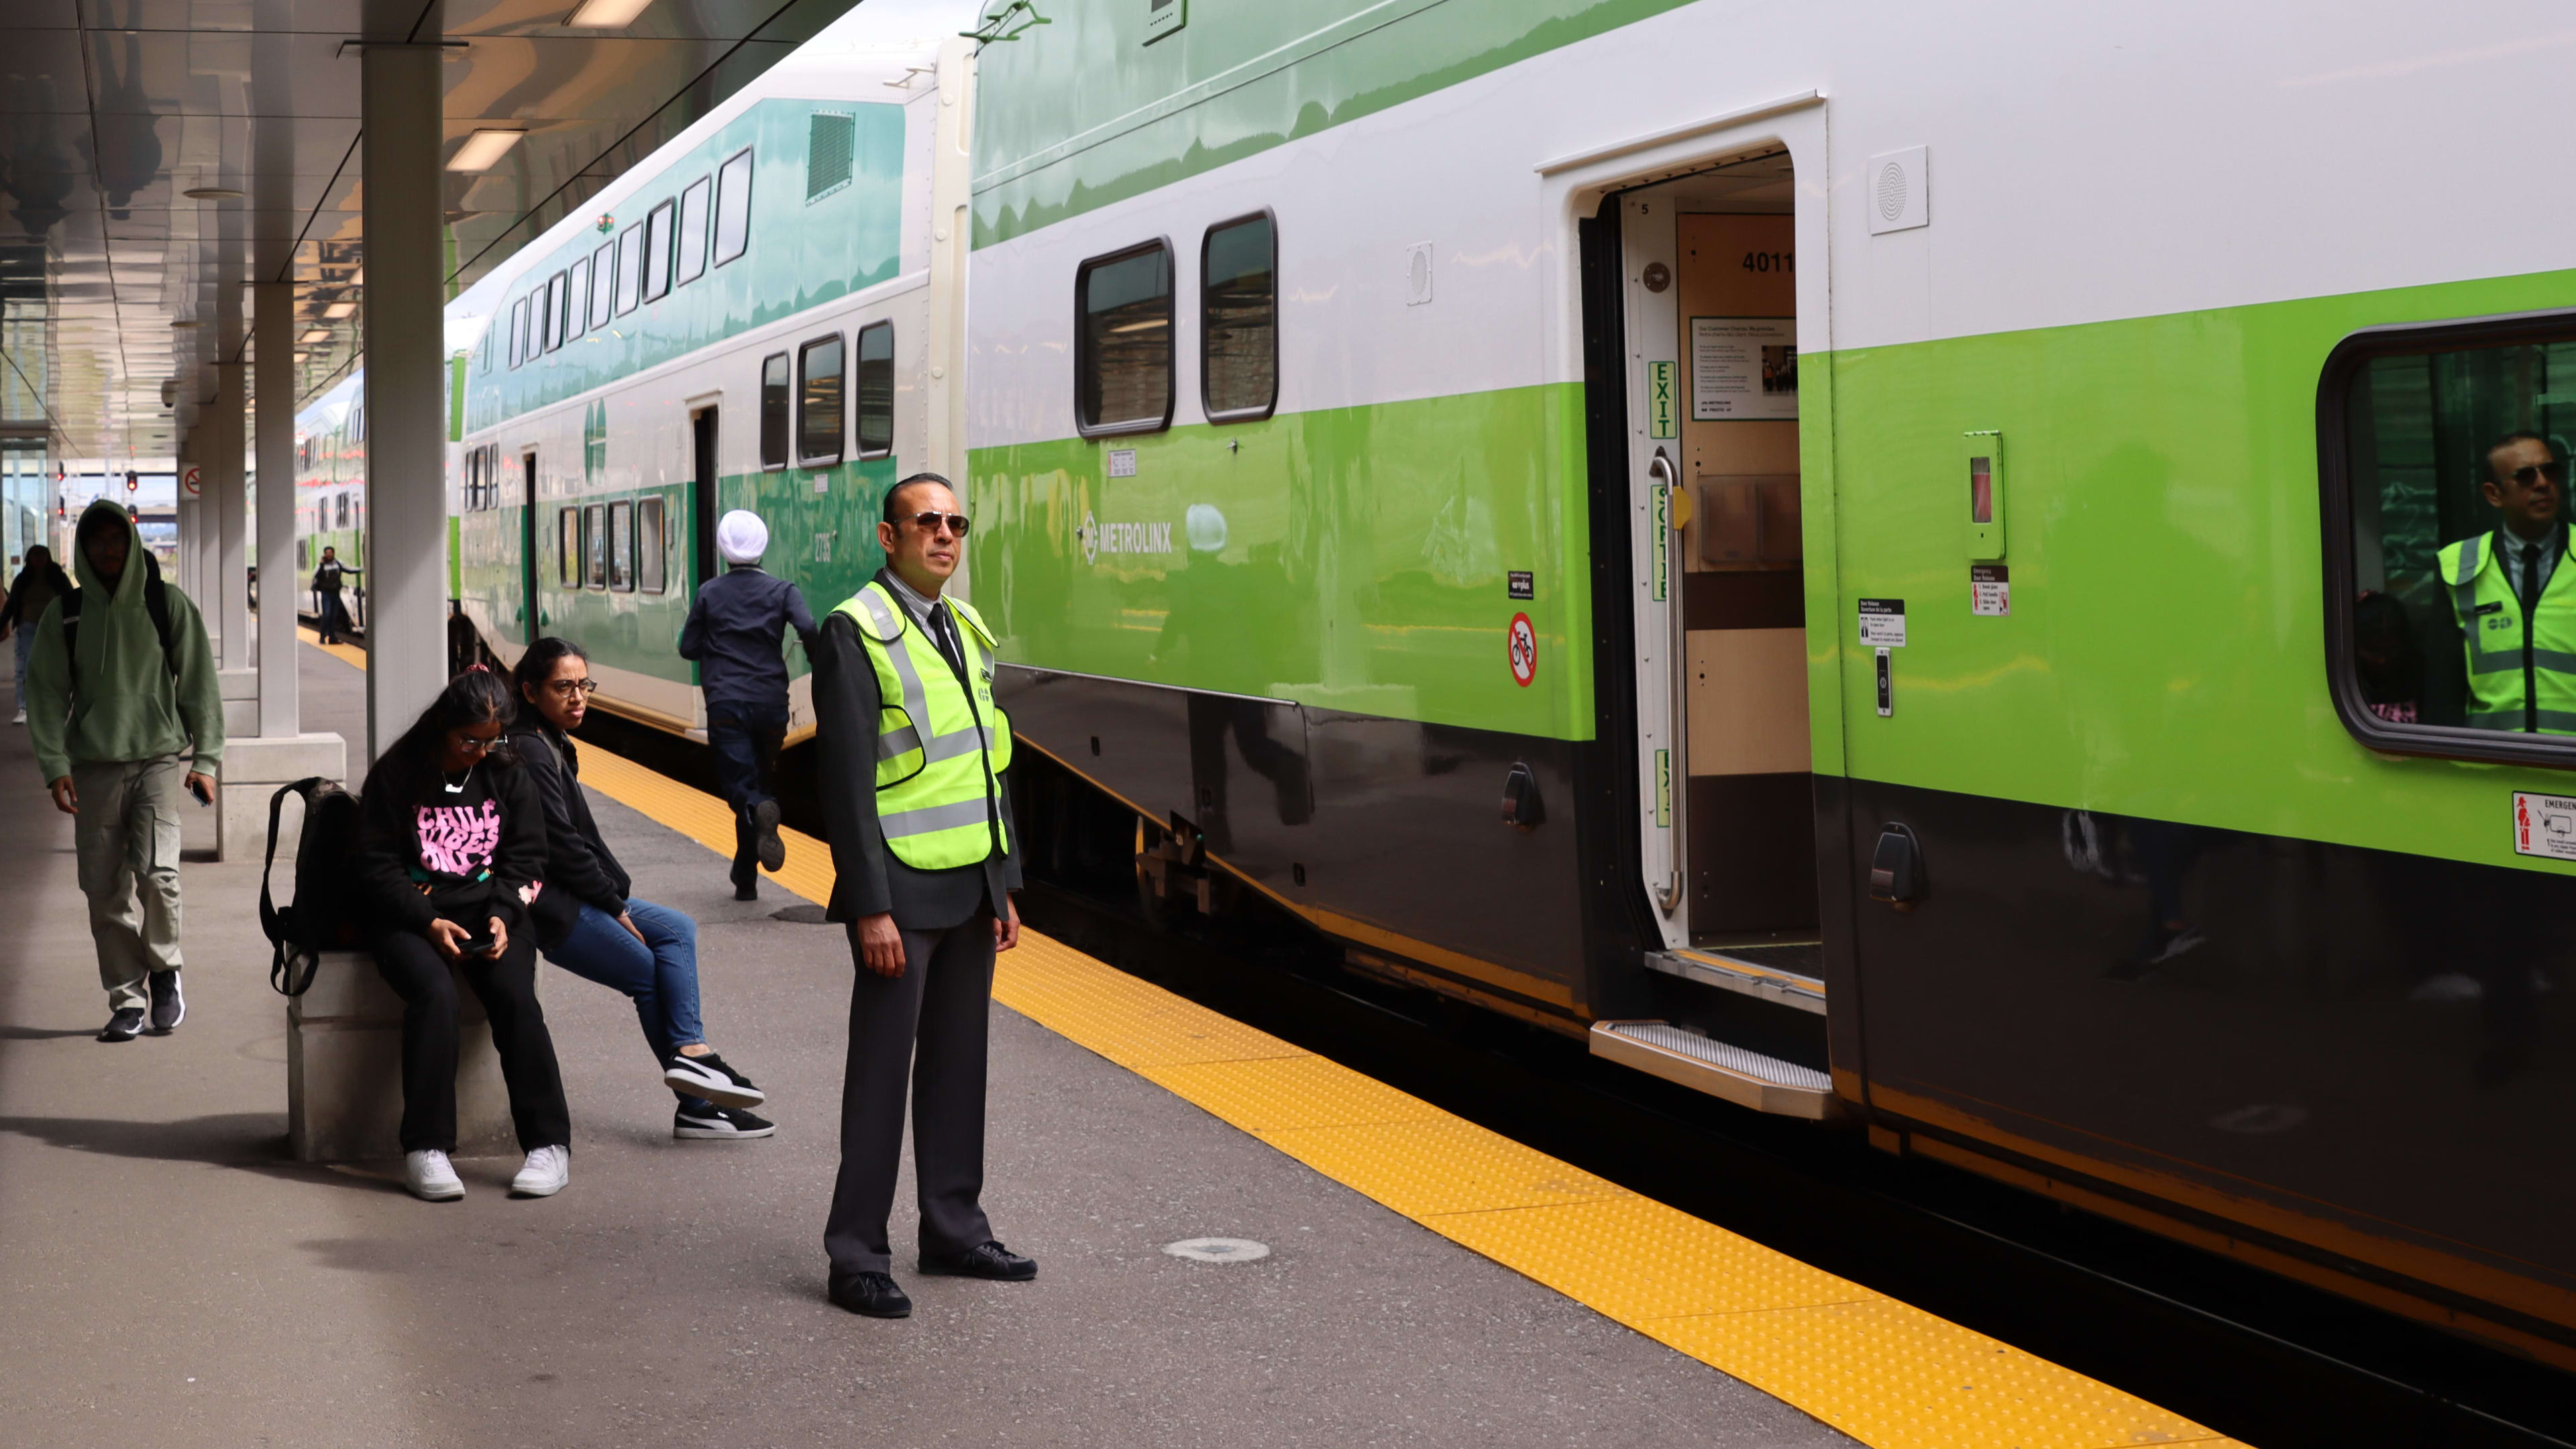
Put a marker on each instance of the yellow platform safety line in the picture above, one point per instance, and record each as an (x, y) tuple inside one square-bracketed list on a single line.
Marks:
[(345, 653), (1884, 1372)]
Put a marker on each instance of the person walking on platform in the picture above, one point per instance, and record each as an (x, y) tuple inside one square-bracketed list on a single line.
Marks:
[(121, 684), (451, 851), (39, 583), (733, 634), (589, 922), (327, 579), (915, 761)]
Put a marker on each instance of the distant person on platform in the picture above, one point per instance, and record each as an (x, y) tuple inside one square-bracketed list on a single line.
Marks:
[(121, 687), (2512, 597), (39, 583), (734, 633), (327, 578), (927, 856)]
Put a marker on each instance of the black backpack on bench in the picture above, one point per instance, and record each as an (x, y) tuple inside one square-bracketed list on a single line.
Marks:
[(324, 915)]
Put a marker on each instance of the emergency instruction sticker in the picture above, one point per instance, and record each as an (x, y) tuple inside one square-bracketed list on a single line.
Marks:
[(2544, 825), (1122, 462), (1989, 590), (1882, 623)]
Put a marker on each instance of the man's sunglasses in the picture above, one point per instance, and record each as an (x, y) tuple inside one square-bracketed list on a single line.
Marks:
[(930, 522), (2531, 473)]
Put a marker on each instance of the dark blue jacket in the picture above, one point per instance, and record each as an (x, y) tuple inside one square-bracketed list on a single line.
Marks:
[(733, 634)]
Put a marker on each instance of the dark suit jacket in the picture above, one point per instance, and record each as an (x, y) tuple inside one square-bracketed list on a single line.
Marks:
[(870, 878)]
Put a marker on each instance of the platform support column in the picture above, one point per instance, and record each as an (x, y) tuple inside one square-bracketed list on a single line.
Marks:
[(281, 584), (227, 489), (406, 572)]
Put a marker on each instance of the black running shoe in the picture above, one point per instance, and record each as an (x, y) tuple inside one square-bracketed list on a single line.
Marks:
[(988, 1260), (705, 1123), (169, 1007), (764, 831), (125, 1024), (709, 1077), (872, 1294)]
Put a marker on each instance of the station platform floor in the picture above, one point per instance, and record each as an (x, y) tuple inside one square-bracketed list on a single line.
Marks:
[(169, 1276)]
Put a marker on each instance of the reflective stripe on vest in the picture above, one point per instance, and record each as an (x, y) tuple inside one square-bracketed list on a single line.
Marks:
[(2522, 674), (941, 748)]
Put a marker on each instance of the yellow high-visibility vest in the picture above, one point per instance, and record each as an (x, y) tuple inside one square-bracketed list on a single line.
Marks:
[(941, 745), (2522, 671)]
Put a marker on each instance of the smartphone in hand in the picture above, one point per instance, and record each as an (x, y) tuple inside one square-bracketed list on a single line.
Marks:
[(204, 795), (475, 946)]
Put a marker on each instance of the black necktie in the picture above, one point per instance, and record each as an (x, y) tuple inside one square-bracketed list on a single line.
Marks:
[(943, 635)]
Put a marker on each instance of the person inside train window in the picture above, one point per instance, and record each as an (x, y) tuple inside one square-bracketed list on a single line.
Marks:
[(451, 850), (590, 922), (2515, 607), (2388, 660)]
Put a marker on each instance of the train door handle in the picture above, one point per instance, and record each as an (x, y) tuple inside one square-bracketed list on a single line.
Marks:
[(1896, 868)]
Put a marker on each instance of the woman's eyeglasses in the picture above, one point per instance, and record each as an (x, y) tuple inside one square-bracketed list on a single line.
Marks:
[(930, 522), (473, 746), (568, 688)]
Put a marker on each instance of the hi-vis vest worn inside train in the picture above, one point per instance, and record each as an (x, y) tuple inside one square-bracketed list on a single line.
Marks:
[(2522, 672), (941, 751)]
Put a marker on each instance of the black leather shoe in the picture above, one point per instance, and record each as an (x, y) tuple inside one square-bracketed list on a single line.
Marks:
[(871, 1295), (992, 1261)]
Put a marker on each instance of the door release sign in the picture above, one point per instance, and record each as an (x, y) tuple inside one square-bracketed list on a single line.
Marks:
[(1989, 590), (1882, 623), (2544, 825)]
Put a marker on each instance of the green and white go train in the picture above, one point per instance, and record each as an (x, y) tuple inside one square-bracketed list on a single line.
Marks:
[(1877, 563)]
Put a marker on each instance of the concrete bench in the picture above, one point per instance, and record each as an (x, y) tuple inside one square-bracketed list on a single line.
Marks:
[(344, 1069)]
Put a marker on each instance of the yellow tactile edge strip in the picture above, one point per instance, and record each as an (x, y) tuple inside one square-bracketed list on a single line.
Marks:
[(1885, 1373)]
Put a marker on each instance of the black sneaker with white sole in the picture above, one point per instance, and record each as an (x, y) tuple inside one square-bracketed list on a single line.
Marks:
[(719, 1124), (123, 1024), (169, 1006), (764, 835), (709, 1077)]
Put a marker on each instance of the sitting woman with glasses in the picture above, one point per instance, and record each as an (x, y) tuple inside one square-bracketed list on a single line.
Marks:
[(451, 849), (589, 922)]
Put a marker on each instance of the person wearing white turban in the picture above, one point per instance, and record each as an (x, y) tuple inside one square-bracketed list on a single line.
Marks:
[(734, 634)]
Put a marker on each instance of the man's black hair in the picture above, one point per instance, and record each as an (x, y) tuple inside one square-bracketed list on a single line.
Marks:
[(2518, 435), (897, 491)]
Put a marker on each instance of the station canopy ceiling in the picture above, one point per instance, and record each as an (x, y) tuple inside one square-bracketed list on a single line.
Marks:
[(159, 156)]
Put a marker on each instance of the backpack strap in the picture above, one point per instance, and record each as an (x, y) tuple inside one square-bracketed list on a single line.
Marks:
[(282, 964)]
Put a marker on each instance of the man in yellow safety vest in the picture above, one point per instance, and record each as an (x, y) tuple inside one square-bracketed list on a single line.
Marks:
[(915, 755), (2514, 602)]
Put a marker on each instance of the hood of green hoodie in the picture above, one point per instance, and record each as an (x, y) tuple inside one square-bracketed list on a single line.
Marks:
[(128, 596)]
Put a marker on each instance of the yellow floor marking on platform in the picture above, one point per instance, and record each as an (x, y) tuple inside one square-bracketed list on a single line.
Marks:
[(1885, 1373), (345, 653)]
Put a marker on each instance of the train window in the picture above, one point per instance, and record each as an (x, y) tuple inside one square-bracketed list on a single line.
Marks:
[(568, 546), (773, 410), (603, 285), (657, 252), (650, 573), (594, 545), (2451, 619), (303, 554), (518, 331), (818, 403), (1239, 320), (874, 386), (630, 267), (577, 299), (1122, 362), (693, 230), (621, 546), (554, 311), (341, 509), (733, 206)]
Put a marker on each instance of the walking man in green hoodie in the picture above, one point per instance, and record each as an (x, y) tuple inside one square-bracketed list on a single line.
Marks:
[(122, 682)]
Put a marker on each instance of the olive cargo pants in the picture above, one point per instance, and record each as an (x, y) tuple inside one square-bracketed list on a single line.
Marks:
[(126, 838)]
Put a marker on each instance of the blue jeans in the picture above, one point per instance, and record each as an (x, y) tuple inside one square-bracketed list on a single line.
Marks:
[(660, 972), (745, 741)]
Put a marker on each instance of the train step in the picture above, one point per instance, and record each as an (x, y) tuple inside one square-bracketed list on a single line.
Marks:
[(1746, 1078), (1782, 974)]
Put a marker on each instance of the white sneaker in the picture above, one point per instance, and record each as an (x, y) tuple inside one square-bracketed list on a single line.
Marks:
[(431, 1177), (21, 719), (544, 1175)]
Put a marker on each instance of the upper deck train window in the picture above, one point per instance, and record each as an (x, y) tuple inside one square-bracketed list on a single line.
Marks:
[(1239, 320), (657, 252), (818, 403), (577, 299), (603, 285), (693, 230), (630, 267), (518, 331), (733, 206), (1122, 363), (875, 389), (2451, 619), (554, 311), (773, 410)]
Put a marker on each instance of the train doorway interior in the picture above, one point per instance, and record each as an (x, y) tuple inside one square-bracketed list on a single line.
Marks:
[(533, 623), (1728, 809), (702, 492)]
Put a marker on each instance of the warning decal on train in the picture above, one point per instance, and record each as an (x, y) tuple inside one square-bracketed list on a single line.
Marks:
[(1524, 642), (2544, 825)]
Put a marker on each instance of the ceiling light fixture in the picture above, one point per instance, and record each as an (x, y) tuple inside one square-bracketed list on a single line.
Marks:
[(606, 14), (211, 193), (318, 334), (338, 310), (483, 149)]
